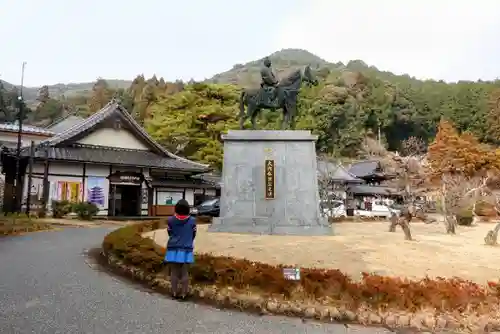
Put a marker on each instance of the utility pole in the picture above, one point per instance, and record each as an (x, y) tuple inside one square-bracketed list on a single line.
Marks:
[(17, 176)]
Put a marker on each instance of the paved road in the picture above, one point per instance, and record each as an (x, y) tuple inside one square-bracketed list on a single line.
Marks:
[(48, 286)]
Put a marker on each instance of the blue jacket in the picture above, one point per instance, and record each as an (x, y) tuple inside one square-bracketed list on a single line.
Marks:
[(181, 233)]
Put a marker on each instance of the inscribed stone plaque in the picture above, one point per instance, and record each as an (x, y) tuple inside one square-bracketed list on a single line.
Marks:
[(270, 179)]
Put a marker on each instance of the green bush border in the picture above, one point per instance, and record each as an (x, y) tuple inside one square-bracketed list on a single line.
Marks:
[(326, 295)]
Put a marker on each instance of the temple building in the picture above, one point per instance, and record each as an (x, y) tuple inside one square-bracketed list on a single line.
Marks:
[(107, 159)]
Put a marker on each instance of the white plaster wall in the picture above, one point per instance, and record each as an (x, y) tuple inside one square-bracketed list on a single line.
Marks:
[(38, 168), (97, 170), (121, 138), (25, 138), (66, 168), (189, 196)]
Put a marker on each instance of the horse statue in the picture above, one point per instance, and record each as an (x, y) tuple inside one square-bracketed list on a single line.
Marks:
[(285, 99)]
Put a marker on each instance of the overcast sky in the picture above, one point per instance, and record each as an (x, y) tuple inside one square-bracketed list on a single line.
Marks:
[(78, 41)]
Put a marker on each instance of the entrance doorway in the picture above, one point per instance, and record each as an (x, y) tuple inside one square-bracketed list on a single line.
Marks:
[(127, 200)]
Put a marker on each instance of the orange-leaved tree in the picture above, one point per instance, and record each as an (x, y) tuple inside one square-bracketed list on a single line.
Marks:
[(462, 165), (454, 153)]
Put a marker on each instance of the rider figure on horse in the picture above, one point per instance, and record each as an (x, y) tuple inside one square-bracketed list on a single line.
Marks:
[(269, 83)]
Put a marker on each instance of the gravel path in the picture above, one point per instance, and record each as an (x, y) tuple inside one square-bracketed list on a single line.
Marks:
[(48, 285)]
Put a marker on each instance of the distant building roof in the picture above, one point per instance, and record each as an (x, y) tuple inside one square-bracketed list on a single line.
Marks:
[(373, 190), (364, 168), (209, 178), (65, 123), (336, 172), (27, 129)]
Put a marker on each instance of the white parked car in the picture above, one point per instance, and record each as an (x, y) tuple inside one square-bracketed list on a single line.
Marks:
[(337, 209)]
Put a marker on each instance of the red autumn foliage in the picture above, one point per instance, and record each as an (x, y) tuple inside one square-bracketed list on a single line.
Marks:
[(374, 290)]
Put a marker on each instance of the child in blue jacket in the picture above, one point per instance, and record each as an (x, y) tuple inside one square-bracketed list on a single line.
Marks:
[(181, 233)]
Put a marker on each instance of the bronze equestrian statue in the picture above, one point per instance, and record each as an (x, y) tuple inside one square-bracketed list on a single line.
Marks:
[(269, 82), (274, 94)]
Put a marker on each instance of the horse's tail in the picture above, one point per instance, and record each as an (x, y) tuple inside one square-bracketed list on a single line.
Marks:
[(242, 103)]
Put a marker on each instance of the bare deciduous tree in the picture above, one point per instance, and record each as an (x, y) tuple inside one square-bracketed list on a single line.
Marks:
[(403, 221), (459, 192), (493, 198), (410, 171), (372, 148), (328, 190)]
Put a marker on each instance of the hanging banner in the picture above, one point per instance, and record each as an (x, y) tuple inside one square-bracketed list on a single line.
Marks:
[(95, 190), (270, 178), (69, 191)]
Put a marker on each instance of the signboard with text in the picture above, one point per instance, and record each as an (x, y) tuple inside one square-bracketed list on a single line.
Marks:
[(270, 178), (126, 178), (291, 274)]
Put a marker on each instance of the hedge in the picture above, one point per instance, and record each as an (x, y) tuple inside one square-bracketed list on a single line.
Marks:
[(353, 219), (20, 223), (319, 286)]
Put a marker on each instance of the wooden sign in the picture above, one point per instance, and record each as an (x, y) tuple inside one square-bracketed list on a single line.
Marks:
[(131, 178), (270, 178)]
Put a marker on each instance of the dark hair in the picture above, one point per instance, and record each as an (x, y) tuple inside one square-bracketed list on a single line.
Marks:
[(182, 208)]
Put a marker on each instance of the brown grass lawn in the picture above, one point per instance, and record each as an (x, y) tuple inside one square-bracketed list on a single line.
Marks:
[(358, 247)]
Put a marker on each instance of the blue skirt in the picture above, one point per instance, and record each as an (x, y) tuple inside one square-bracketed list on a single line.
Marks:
[(179, 256)]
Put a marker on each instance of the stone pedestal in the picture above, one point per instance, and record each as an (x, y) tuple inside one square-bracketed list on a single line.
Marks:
[(256, 198)]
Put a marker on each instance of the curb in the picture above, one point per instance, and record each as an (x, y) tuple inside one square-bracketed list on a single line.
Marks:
[(232, 299)]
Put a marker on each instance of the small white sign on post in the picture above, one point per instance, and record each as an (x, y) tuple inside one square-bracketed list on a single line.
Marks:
[(291, 274)]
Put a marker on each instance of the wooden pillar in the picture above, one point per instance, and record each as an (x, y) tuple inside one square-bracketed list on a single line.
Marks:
[(46, 184), (84, 181), (150, 201), (19, 188), (8, 196), (111, 197), (112, 211), (30, 177)]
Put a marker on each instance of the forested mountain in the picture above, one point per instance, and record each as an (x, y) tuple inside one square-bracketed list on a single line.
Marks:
[(60, 90), (351, 102), (284, 62)]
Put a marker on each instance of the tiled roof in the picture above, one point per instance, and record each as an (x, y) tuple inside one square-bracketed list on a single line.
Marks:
[(28, 129), (113, 109), (65, 123), (337, 172), (209, 178), (193, 182), (364, 168), (373, 190), (112, 155)]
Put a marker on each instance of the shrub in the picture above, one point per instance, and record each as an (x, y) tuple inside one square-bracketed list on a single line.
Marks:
[(17, 223), (85, 210), (465, 217), (483, 208), (356, 219), (60, 208), (379, 292)]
